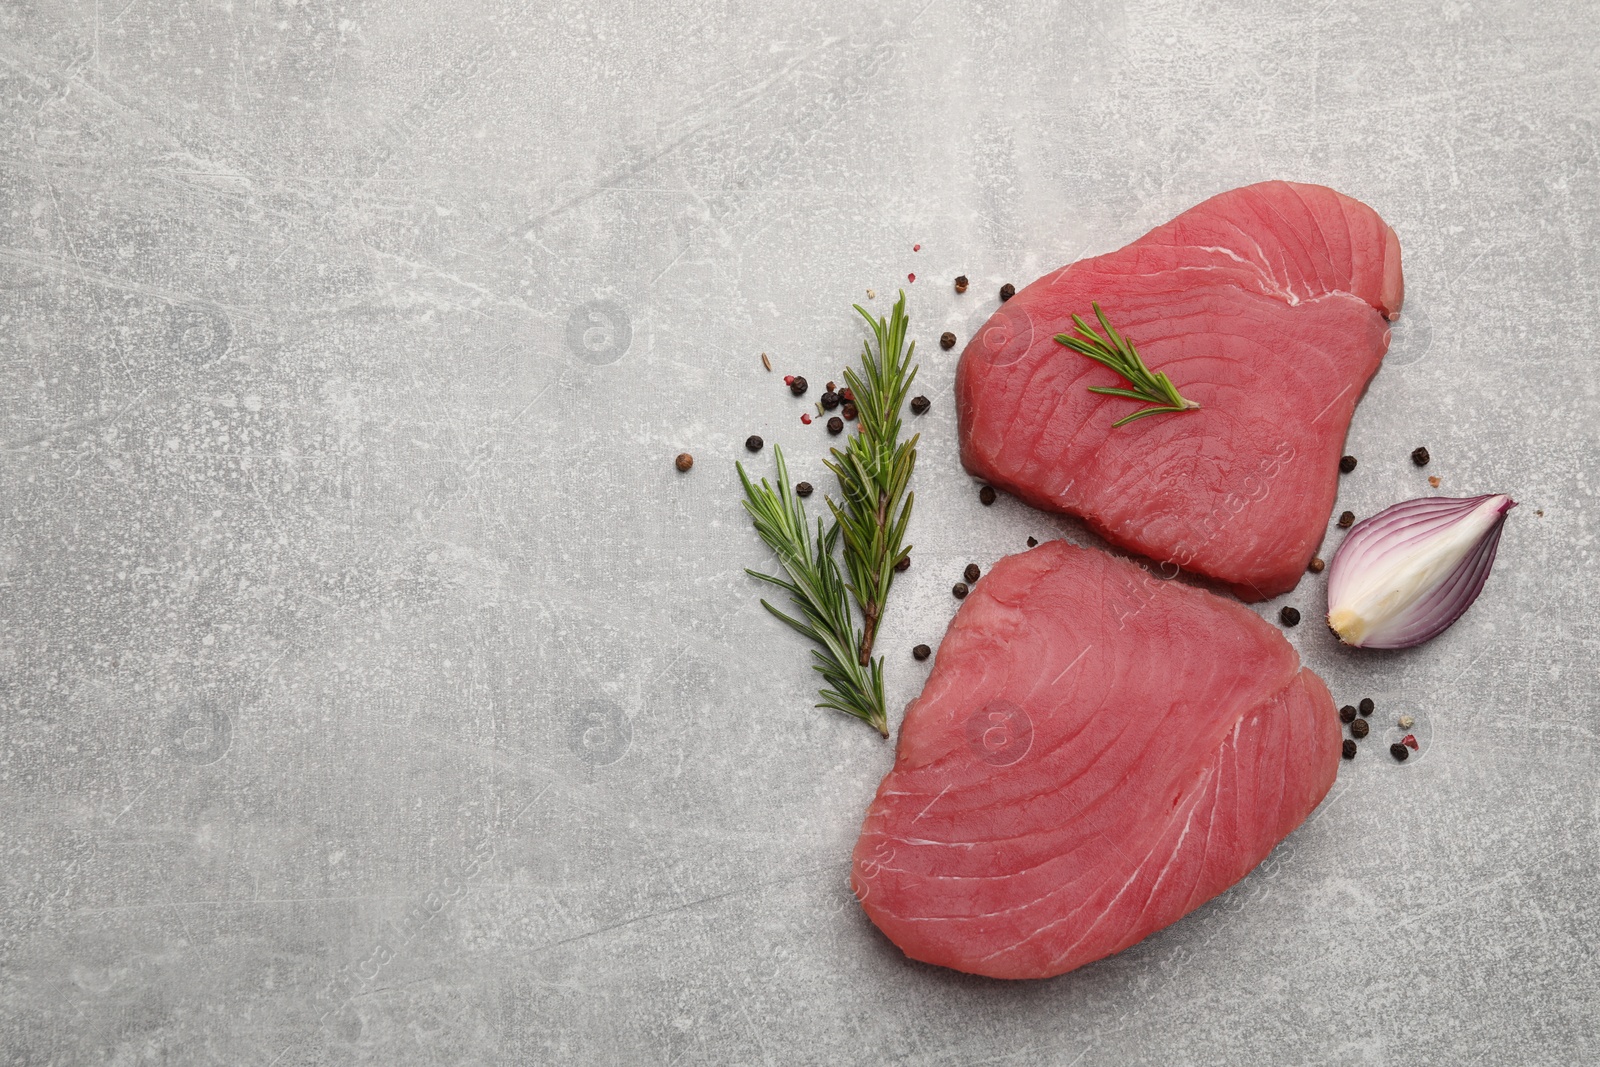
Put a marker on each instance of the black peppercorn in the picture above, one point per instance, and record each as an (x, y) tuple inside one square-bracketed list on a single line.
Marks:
[(830, 399), (971, 573), (958, 590), (903, 564), (1290, 616), (919, 404), (1347, 463), (1007, 291), (947, 340), (1346, 518), (1317, 565), (1367, 706), (1399, 752), (802, 488), (1420, 456), (961, 283), (1349, 749), (848, 411), (754, 443), (986, 495), (1033, 542), (684, 461), (1359, 728), (835, 425), (921, 652), (798, 385), (1347, 714)]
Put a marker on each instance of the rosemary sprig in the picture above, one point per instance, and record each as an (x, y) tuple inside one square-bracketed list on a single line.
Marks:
[(874, 469), (819, 593), (1118, 353)]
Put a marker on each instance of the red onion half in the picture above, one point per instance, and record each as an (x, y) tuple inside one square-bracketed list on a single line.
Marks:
[(1406, 574)]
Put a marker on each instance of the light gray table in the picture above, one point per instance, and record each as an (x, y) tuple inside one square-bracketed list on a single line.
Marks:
[(375, 690)]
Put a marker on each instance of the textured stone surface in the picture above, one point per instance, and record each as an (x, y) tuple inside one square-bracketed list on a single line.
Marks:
[(374, 689)]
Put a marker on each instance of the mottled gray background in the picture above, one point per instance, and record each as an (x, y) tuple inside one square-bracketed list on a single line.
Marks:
[(374, 689)]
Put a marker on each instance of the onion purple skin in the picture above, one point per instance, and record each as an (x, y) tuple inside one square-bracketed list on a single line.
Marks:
[(1401, 525)]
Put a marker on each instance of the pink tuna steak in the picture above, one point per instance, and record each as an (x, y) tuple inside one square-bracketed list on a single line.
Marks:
[(1267, 305), (1096, 754)]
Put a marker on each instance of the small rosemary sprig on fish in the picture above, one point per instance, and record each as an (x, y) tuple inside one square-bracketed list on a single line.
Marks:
[(818, 592), (1117, 352), (874, 469)]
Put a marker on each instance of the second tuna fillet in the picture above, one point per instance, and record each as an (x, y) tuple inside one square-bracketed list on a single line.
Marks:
[(1096, 754)]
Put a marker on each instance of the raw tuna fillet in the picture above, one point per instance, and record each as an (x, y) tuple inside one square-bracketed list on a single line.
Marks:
[(1097, 753), (1268, 306)]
